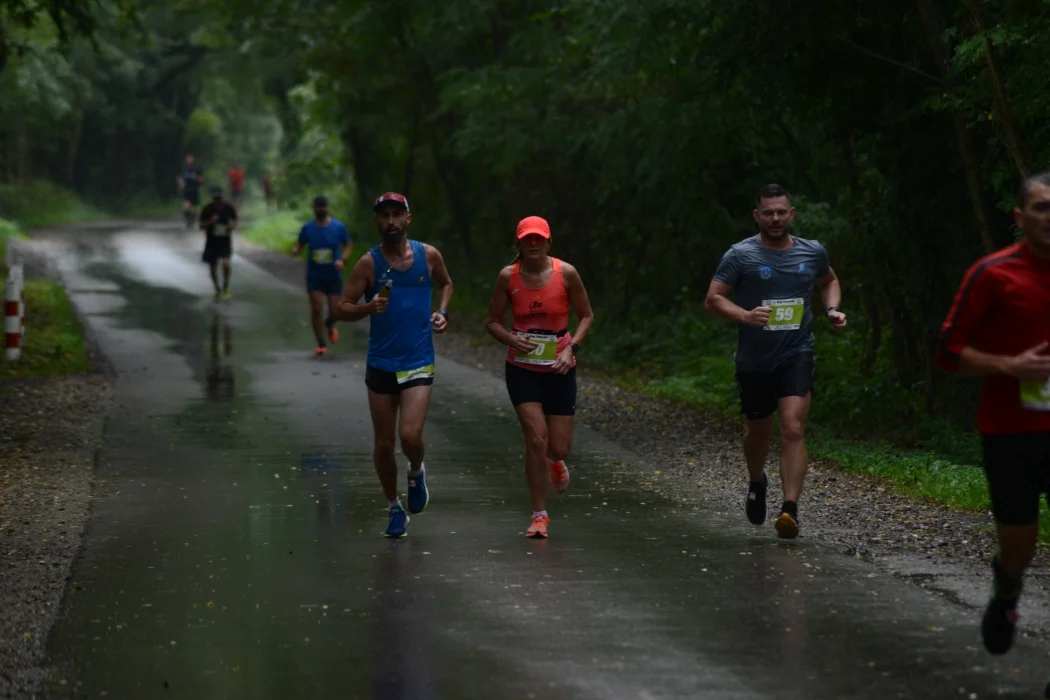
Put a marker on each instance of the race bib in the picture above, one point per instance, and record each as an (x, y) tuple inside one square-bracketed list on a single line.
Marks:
[(785, 314), (1035, 396), (322, 256), (545, 352), (424, 372), (222, 231)]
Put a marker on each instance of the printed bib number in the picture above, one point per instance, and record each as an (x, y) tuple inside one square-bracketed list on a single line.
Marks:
[(222, 231), (545, 353), (785, 314), (1035, 396), (424, 372), (322, 256)]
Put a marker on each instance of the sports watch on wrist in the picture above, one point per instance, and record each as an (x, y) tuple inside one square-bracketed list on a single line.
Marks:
[(575, 348)]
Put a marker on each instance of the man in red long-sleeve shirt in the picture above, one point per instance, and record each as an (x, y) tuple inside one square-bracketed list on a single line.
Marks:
[(999, 329)]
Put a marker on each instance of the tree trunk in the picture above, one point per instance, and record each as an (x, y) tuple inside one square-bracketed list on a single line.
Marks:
[(1002, 102), (74, 149), (963, 139), (23, 152), (410, 158)]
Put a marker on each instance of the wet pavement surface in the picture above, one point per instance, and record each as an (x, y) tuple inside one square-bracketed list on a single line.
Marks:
[(235, 549)]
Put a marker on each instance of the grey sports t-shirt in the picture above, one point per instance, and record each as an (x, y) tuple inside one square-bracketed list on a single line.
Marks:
[(782, 280)]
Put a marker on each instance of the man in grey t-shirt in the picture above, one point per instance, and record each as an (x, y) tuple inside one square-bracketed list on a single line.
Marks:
[(771, 277)]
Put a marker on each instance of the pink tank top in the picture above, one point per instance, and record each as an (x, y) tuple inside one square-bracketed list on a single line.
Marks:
[(542, 312)]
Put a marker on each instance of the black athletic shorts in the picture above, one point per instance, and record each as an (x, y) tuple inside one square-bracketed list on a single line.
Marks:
[(191, 195), (1018, 471), (557, 392), (392, 383), (217, 248), (760, 392)]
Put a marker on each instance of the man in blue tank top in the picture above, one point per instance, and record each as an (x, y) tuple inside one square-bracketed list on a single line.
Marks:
[(771, 277), (328, 247), (395, 279)]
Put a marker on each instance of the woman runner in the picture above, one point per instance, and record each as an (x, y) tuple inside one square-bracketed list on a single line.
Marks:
[(541, 359)]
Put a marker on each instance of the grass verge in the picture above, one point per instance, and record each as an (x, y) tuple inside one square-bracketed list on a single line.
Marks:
[(8, 230), (54, 343)]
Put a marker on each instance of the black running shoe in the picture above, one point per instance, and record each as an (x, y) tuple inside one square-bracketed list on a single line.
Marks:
[(999, 625), (755, 505)]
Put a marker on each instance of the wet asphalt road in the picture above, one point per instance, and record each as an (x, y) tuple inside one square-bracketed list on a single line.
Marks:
[(235, 549)]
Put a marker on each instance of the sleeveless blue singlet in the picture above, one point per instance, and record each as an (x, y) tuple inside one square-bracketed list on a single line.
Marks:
[(400, 339)]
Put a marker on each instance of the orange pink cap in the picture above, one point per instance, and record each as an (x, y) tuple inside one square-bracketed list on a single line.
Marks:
[(533, 225)]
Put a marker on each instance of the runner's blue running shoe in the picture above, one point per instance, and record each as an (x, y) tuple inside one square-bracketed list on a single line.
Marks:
[(398, 526), (418, 495)]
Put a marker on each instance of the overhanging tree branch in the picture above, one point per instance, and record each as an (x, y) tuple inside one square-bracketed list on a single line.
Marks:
[(892, 62)]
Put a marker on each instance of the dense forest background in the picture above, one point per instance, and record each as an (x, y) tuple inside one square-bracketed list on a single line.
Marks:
[(641, 130)]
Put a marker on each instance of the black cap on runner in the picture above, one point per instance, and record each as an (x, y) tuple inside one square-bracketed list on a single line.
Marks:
[(320, 201), (216, 191)]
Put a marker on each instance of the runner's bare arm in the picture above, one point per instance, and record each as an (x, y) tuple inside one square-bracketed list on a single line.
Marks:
[(831, 294), (361, 278), (719, 304), (439, 273), (497, 311), (579, 301)]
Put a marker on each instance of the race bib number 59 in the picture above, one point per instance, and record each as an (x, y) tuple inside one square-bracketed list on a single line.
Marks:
[(545, 352), (785, 314), (1035, 396)]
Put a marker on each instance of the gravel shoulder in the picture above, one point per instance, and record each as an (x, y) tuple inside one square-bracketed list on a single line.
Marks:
[(922, 542), (50, 430)]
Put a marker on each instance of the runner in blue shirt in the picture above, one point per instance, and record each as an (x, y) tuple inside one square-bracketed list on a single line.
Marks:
[(328, 248), (395, 279)]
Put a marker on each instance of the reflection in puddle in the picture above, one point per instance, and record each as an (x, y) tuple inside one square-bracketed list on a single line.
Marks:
[(220, 378)]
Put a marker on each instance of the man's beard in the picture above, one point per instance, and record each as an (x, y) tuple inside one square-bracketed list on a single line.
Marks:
[(392, 238)]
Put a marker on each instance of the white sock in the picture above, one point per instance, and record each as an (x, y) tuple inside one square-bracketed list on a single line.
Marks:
[(395, 502), (414, 474), (539, 513)]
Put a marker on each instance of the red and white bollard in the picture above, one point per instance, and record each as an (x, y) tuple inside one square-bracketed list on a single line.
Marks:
[(12, 318)]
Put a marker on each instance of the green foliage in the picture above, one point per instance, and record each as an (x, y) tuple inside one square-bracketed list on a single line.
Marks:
[(277, 232), (54, 344), (41, 203), (8, 230)]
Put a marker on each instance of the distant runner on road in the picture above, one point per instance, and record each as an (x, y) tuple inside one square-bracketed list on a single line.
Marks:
[(771, 277), (235, 175), (328, 247), (218, 220), (998, 328), (541, 357), (189, 182), (395, 278)]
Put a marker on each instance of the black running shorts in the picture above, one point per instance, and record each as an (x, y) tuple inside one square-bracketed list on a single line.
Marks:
[(557, 392), (389, 383), (191, 195), (1018, 471), (760, 392), (217, 248)]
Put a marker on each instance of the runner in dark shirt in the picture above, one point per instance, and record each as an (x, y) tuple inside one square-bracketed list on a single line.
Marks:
[(189, 182), (218, 219)]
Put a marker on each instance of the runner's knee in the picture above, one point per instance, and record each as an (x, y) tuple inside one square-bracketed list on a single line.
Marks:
[(410, 434), (536, 439), (792, 430), (759, 429)]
